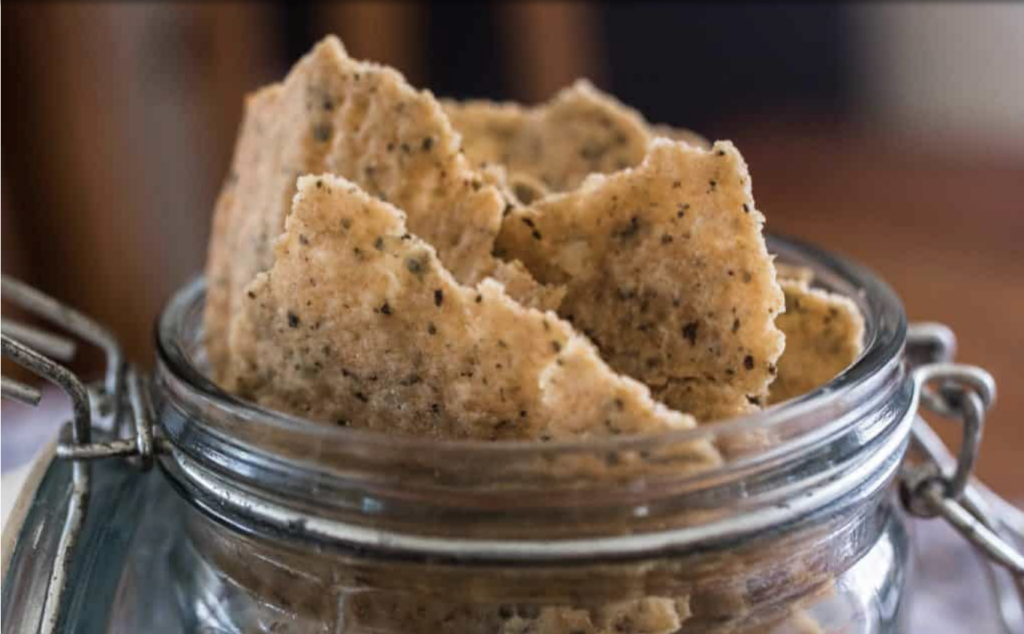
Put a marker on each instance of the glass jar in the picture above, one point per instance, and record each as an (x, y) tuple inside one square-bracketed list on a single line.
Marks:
[(297, 526)]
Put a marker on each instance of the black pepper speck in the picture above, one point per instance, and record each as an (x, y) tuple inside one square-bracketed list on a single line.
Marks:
[(690, 332)]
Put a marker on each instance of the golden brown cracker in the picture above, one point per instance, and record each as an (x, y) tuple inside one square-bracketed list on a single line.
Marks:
[(558, 144), (358, 323), (824, 335), (520, 189), (519, 284), (364, 122), (667, 272), (793, 272)]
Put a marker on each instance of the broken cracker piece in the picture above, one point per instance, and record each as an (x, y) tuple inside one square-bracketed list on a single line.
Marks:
[(793, 272), (361, 121), (520, 285), (357, 323), (824, 335), (558, 144), (667, 272)]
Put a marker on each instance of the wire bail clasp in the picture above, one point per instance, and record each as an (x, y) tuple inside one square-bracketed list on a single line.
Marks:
[(937, 484)]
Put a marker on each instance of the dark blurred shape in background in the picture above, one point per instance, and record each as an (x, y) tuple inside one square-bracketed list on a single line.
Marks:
[(891, 133)]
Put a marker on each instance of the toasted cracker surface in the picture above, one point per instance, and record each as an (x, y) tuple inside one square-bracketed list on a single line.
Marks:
[(794, 273), (364, 122), (558, 144), (667, 272), (358, 323), (824, 335)]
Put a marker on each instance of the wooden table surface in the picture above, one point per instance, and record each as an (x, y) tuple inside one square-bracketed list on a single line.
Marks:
[(944, 228)]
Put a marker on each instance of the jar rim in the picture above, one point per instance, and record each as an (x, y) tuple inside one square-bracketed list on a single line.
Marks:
[(838, 445), (885, 332)]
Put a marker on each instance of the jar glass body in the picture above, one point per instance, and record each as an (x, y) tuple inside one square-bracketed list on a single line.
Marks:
[(291, 526), (227, 582)]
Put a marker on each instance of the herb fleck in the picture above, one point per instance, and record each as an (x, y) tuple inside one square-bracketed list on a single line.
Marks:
[(322, 132), (690, 332), (415, 266), (631, 230)]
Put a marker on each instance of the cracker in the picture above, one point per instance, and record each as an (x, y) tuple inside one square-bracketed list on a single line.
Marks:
[(667, 272), (824, 335), (520, 189), (558, 144), (333, 114), (358, 323), (519, 284), (405, 612), (793, 272)]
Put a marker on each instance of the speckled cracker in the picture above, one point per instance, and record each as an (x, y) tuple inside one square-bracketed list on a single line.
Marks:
[(824, 335), (667, 272), (333, 114), (357, 323), (579, 132)]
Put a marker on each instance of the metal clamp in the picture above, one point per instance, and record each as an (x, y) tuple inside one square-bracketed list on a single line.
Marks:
[(938, 485), (32, 348)]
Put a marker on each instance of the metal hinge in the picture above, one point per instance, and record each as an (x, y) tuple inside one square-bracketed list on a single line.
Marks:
[(935, 484), (35, 350)]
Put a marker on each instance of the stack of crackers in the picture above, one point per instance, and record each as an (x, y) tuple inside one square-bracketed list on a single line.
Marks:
[(385, 260)]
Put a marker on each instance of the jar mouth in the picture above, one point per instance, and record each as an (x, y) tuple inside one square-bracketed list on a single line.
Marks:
[(181, 357), (260, 470)]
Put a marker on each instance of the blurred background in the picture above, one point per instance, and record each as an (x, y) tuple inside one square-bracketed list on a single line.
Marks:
[(890, 133)]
